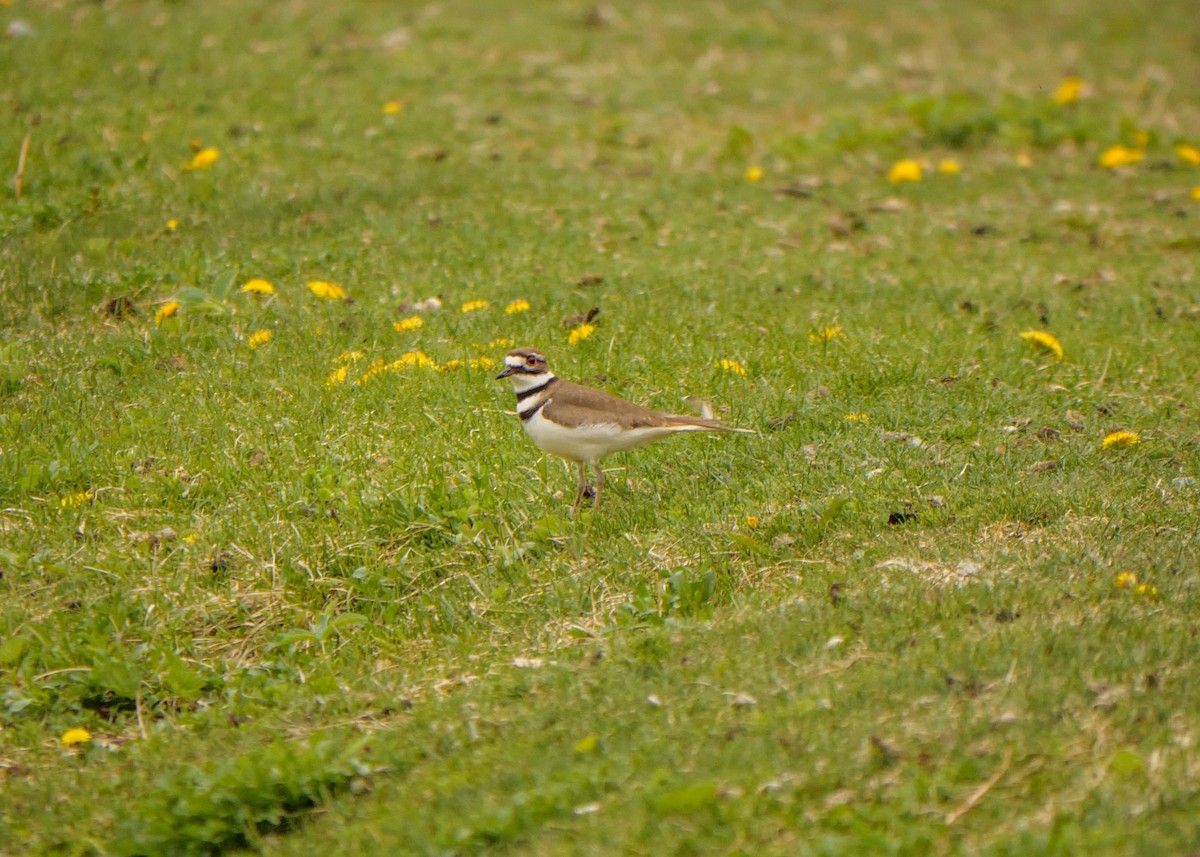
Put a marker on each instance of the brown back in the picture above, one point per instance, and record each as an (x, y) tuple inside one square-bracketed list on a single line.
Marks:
[(575, 404)]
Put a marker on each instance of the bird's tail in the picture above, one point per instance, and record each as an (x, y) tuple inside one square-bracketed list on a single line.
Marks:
[(700, 424)]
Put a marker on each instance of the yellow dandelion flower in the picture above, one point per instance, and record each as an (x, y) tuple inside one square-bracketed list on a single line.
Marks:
[(337, 376), (483, 363), (581, 333), (752, 522), (392, 108), (519, 305), (1120, 438), (451, 364), (414, 358), (1196, 193), (167, 310), (258, 286), (906, 170), (1119, 156), (1126, 580), (327, 291), (502, 342), (754, 174), (348, 357), (172, 225), (733, 367), (949, 167), (79, 499), (1148, 590), (825, 335), (191, 539), (413, 322), (1069, 91), (259, 337), (377, 368), (75, 736), (203, 159), (1041, 340), (858, 417), (478, 304), (1188, 154)]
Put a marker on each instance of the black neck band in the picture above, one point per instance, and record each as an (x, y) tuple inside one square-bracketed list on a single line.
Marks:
[(525, 394), (526, 416)]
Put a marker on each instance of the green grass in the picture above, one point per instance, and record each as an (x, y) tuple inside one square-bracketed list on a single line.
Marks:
[(301, 616)]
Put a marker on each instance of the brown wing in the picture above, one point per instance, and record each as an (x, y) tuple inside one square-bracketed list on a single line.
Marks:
[(575, 404)]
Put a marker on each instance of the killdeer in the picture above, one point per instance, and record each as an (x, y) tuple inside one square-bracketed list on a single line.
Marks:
[(582, 424)]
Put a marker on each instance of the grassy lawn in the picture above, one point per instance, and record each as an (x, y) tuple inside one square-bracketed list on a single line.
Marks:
[(280, 572)]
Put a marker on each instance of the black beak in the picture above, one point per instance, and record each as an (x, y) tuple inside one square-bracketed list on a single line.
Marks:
[(507, 371)]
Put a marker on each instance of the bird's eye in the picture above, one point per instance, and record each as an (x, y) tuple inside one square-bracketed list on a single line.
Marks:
[(529, 361)]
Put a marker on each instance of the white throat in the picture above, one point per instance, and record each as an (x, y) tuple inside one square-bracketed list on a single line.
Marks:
[(522, 382)]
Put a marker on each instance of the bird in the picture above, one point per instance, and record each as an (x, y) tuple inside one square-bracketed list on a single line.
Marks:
[(582, 424)]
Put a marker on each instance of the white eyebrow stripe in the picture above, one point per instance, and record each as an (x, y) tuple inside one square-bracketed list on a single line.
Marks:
[(510, 360)]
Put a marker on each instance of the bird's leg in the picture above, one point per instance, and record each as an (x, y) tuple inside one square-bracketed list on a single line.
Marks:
[(583, 487), (599, 485)]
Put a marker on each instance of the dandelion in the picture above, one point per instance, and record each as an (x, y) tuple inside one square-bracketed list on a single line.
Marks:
[(1196, 193), (754, 174), (1041, 340), (825, 335), (191, 539), (259, 337), (203, 159), (166, 311), (392, 108), (79, 499), (258, 286), (73, 737), (1188, 154), (377, 368), (581, 333), (1119, 156), (413, 322), (906, 170), (478, 304), (1126, 580), (1149, 590), (483, 363), (752, 522), (1069, 91), (502, 342), (451, 364), (1120, 438), (733, 367), (414, 358), (172, 225), (858, 417), (327, 291), (949, 167), (519, 305), (337, 376), (348, 357)]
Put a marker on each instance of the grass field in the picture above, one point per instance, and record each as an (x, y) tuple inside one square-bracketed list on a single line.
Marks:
[(280, 572)]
